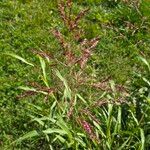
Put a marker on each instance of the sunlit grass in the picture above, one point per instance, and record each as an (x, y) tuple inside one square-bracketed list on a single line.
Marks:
[(52, 100)]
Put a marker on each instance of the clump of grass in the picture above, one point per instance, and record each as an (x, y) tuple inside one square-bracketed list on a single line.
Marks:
[(81, 111)]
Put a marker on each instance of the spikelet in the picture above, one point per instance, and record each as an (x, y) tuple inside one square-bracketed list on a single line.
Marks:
[(86, 53), (60, 38), (77, 19)]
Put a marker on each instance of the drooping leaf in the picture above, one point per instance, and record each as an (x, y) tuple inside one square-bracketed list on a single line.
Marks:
[(19, 58), (27, 136)]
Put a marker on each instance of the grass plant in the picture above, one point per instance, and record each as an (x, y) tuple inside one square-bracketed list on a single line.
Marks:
[(75, 75)]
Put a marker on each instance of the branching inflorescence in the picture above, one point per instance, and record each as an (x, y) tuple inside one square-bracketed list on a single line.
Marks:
[(72, 24)]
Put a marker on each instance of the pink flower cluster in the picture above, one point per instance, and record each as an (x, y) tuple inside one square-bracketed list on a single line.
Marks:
[(87, 127)]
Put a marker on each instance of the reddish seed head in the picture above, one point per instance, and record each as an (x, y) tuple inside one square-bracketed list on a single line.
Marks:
[(86, 127)]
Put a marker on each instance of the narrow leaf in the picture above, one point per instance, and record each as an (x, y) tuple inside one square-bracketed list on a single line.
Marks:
[(27, 136), (145, 62), (19, 58), (43, 66)]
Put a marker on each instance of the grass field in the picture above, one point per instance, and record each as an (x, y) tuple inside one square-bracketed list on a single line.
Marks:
[(55, 94)]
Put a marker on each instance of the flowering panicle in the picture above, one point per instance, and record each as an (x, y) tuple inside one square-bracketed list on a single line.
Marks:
[(60, 38), (70, 57), (43, 54), (77, 19), (61, 8), (100, 102), (72, 23), (87, 52), (66, 16), (87, 128), (69, 3), (70, 112), (104, 86), (25, 94), (88, 113), (38, 88)]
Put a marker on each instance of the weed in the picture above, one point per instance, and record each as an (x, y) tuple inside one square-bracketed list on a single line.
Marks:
[(71, 99)]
